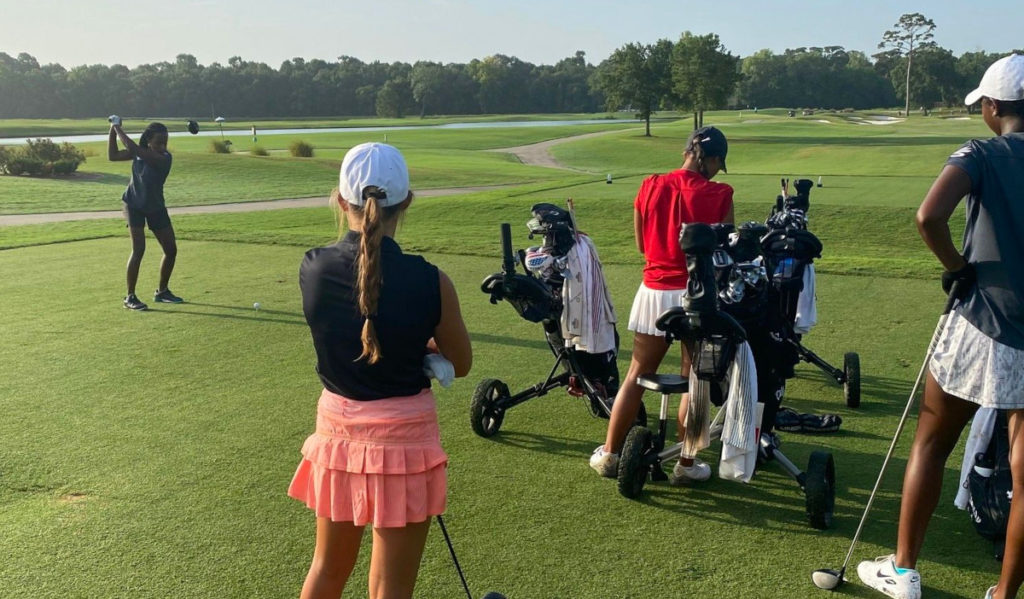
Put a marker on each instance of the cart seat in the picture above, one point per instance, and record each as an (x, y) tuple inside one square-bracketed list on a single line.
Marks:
[(664, 383)]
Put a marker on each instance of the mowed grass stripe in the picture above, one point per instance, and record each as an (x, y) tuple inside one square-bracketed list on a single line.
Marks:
[(147, 455)]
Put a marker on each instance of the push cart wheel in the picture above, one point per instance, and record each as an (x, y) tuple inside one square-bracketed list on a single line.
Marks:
[(820, 489), (851, 388), (632, 469), (485, 415)]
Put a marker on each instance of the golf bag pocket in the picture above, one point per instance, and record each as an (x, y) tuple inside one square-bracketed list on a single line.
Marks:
[(713, 357)]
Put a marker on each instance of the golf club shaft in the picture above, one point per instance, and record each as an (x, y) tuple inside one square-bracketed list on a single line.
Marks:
[(953, 293), (458, 568)]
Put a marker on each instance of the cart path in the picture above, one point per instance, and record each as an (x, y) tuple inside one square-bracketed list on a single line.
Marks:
[(314, 202), (538, 154), (533, 155)]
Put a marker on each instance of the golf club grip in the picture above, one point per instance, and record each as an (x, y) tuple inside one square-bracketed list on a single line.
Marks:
[(508, 264), (954, 294)]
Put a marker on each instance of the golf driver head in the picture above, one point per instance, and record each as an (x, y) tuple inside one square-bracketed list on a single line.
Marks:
[(494, 595), (826, 579), (193, 127)]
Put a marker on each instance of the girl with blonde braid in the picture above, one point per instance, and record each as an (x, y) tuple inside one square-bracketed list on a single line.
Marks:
[(378, 318)]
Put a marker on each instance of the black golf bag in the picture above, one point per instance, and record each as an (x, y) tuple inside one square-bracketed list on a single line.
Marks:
[(990, 487), (730, 299), (744, 289), (789, 249), (537, 297)]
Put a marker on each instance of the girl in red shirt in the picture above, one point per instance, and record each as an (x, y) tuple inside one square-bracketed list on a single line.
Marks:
[(663, 204)]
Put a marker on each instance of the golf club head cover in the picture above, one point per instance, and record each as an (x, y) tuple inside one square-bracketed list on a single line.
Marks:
[(114, 120), (966, 277), (193, 127), (698, 240)]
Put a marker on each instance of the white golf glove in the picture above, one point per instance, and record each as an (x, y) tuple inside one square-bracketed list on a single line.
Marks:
[(438, 367), (114, 120)]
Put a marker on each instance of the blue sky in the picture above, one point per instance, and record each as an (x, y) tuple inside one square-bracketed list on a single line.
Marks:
[(72, 32)]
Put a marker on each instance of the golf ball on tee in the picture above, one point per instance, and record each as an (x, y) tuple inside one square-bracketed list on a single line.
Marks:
[(256, 306)]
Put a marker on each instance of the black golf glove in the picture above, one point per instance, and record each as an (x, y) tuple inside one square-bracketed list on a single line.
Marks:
[(965, 277)]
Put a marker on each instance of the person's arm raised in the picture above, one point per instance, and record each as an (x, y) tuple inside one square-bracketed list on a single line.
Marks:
[(134, 149), (114, 153), (451, 336)]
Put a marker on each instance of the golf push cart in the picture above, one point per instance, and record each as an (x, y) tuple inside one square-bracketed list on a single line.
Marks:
[(537, 297), (731, 299), (790, 213)]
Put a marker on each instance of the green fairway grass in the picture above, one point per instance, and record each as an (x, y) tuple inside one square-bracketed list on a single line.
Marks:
[(437, 159), (148, 454)]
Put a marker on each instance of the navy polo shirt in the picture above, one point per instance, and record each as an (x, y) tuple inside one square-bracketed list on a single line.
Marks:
[(408, 312), (994, 236)]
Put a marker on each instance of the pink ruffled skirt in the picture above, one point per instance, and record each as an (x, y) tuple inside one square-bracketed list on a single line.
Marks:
[(374, 462)]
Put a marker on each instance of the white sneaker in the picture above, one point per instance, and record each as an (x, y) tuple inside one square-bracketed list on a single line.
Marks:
[(990, 593), (681, 475), (881, 575), (606, 464)]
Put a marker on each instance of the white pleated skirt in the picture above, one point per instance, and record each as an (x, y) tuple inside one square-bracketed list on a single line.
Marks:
[(649, 304), (971, 365)]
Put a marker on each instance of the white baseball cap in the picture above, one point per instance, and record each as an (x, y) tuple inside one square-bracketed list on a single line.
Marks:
[(1004, 80), (378, 165)]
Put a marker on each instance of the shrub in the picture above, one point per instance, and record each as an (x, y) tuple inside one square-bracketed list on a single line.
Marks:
[(64, 166), (259, 151), (24, 165), (40, 157), (301, 149), (220, 146)]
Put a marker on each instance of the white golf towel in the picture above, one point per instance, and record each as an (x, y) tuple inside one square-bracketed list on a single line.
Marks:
[(741, 422), (588, 317), (806, 305), (982, 429), (742, 419)]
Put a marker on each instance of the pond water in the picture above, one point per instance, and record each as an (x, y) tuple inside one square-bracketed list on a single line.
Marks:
[(215, 132)]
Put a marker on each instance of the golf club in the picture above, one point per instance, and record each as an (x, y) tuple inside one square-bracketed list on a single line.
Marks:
[(458, 568), (827, 578)]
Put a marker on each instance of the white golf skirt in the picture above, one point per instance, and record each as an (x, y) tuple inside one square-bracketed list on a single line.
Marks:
[(971, 365), (649, 304)]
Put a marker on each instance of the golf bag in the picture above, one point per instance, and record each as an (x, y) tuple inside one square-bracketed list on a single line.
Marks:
[(990, 487), (737, 271), (539, 296), (789, 252)]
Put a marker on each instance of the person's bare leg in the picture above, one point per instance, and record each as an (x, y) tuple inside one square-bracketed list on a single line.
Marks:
[(684, 400), (138, 235), (396, 560), (1012, 573), (337, 547), (170, 246), (941, 419), (648, 351)]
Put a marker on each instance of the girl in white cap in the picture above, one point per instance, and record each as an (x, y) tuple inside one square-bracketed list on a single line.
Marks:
[(979, 358), (381, 321)]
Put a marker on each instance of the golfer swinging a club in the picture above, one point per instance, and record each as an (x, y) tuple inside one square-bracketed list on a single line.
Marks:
[(663, 204), (378, 317), (979, 357), (144, 204)]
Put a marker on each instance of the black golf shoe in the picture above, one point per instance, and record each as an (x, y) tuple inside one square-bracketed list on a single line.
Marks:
[(166, 297), (132, 302)]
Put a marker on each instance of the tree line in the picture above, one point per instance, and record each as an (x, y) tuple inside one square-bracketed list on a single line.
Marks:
[(694, 73)]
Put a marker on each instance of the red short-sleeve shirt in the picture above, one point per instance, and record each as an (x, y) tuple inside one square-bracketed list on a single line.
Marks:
[(665, 202)]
